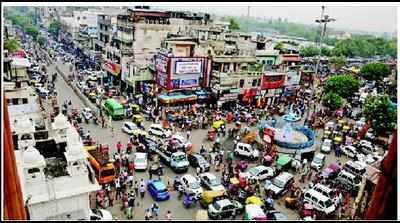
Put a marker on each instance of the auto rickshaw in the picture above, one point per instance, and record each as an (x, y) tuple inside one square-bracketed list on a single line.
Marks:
[(210, 196), (346, 128), (92, 96), (283, 162), (254, 200), (137, 119), (218, 124), (337, 138), (327, 134), (211, 134), (250, 138)]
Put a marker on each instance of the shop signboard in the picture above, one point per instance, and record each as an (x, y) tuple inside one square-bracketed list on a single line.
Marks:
[(162, 79), (161, 63), (185, 83), (188, 67)]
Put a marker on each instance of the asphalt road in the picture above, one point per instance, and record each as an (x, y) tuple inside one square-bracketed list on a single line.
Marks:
[(104, 136)]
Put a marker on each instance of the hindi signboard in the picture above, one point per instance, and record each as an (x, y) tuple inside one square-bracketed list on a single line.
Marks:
[(188, 67)]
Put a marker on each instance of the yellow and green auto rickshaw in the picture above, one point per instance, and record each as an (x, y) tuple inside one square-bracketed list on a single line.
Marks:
[(210, 196)]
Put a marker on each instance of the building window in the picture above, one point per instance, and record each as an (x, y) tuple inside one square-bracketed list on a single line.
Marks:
[(84, 17), (254, 84), (258, 82), (241, 83), (24, 101), (15, 101), (78, 18)]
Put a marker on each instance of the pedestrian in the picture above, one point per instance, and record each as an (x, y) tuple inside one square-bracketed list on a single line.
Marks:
[(150, 174), (147, 215), (168, 216), (188, 134), (111, 198), (142, 190), (118, 189), (198, 170), (136, 187), (119, 147), (155, 209)]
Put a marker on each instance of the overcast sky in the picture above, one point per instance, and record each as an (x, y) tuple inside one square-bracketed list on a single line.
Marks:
[(362, 18)]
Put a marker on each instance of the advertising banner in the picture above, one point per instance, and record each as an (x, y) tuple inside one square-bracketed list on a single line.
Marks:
[(189, 83), (161, 63), (188, 67), (162, 79)]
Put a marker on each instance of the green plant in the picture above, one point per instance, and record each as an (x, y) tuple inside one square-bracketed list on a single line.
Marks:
[(375, 71), (381, 112), (343, 85), (332, 101)]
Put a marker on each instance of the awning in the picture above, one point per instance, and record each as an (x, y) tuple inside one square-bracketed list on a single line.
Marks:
[(112, 68)]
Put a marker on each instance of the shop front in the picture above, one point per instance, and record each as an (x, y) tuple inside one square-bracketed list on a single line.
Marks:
[(228, 98)]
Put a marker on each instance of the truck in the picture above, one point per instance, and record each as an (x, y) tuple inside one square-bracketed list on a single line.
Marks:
[(178, 161), (100, 162)]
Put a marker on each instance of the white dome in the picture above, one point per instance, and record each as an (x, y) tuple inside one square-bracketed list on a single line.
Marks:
[(24, 126), (32, 157), (60, 121)]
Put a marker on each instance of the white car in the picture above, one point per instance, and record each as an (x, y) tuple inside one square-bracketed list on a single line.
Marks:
[(180, 140), (349, 151), (211, 182), (326, 146), (260, 172), (140, 161), (87, 113), (132, 129), (158, 130), (191, 185), (367, 147), (100, 215), (318, 161), (246, 150)]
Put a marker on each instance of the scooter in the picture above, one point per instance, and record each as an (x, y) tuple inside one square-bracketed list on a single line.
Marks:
[(188, 201)]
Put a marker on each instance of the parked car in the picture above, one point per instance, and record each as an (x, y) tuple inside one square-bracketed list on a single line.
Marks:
[(366, 147), (158, 190), (280, 184), (349, 151), (132, 129), (276, 215), (158, 130), (140, 161), (180, 141), (211, 182), (326, 146), (350, 181), (260, 172), (254, 212), (319, 201), (224, 208), (246, 150), (197, 160), (318, 161), (100, 215), (87, 113)]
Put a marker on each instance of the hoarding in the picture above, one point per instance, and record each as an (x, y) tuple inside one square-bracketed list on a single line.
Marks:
[(185, 83), (188, 67), (161, 63)]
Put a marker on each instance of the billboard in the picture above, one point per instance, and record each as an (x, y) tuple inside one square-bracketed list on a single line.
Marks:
[(185, 83), (188, 67), (161, 63)]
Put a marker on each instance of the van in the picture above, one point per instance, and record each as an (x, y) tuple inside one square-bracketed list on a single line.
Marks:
[(279, 185), (324, 190), (114, 109), (350, 181), (319, 201), (355, 168)]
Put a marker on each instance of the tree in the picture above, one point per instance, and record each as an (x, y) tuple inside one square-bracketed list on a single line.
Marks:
[(309, 51), (41, 40), (54, 28), (12, 45), (279, 46), (381, 112), (342, 85), (375, 71), (233, 25), (332, 101), (337, 62), (32, 31)]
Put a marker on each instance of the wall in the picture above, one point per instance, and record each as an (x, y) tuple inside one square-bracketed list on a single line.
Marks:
[(59, 208)]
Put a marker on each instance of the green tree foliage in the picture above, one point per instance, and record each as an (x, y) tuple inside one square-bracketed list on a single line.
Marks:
[(233, 24), (41, 40), (342, 85), (381, 112), (54, 28), (337, 62), (366, 46), (332, 101), (279, 46), (375, 71), (309, 51), (12, 45), (24, 19)]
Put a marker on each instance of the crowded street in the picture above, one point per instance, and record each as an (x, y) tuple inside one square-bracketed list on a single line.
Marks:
[(182, 140)]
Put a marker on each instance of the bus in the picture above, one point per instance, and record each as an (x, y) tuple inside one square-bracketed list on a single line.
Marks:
[(113, 108), (101, 164)]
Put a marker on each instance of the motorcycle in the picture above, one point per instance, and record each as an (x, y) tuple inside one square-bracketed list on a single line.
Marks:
[(188, 201)]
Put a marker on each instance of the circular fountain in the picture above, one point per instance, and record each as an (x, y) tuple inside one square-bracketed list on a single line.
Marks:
[(293, 115), (289, 136)]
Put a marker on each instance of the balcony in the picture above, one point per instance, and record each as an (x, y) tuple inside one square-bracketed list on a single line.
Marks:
[(124, 37)]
